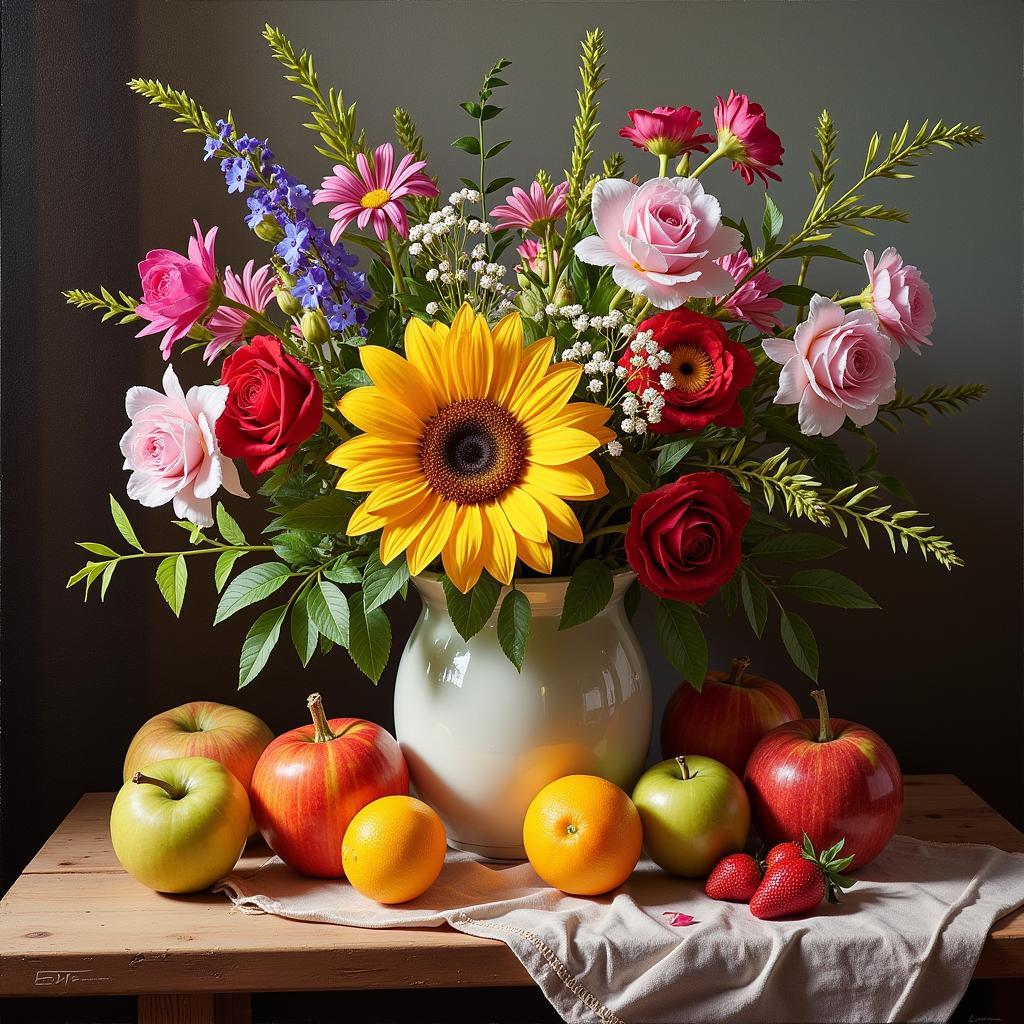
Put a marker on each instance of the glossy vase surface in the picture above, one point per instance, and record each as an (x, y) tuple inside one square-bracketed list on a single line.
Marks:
[(482, 739)]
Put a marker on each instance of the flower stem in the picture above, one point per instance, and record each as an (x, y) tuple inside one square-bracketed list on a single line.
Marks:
[(616, 299), (683, 167), (144, 780), (825, 733), (322, 727), (717, 155), (336, 426), (663, 165), (396, 267), (605, 530), (258, 318)]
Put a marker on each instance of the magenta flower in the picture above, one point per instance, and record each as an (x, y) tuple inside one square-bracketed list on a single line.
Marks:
[(744, 137), (750, 301), (374, 193), (901, 299), (532, 211), (228, 325), (838, 364), (533, 255), (177, 291), (666, 131)]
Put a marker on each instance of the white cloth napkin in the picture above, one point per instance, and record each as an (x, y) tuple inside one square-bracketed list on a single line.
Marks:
[(902, 945)]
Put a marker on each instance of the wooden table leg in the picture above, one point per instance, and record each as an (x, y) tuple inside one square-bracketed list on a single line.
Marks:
[(204, 1008)]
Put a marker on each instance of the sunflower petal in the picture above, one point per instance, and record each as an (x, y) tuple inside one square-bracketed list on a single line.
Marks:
[(500, 553), (554, 446), (561, 519), (398, 380), (548, 395), (462, 555), (374, 473), (592, 471), (524, 514), (469, 356), (568, 481), (586, 416), (536, 556), (536, 358), (423, 348), (357, 450), (363, 521), (508, 351), (371, 411), (429, 544), (398, 535)]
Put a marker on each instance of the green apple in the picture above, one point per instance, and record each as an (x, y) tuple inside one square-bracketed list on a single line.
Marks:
[(694, 811), (179, 825)]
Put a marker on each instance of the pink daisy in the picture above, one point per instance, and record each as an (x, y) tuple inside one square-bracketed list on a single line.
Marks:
[(533, 210), (228, 325), (374, 193)]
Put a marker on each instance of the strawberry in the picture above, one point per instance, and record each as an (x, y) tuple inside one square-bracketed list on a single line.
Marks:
[(735, 877), (780, 852), (796, 885)]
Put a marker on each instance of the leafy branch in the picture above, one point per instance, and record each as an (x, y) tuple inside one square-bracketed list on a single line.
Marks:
[(333, 121), (186, 110), (124, 306), (412, 140), (938, 398)]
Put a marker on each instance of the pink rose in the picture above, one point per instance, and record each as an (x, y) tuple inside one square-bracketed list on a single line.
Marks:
[(751, 300), (901, 299), (171, 448), (176, 291), (837, 365), (662, 238)]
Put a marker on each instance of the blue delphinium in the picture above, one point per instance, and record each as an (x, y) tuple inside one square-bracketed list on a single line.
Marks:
[(290, 248), (236, 173)]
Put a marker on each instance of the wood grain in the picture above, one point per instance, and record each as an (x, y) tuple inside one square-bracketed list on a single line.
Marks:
[(76, 924)]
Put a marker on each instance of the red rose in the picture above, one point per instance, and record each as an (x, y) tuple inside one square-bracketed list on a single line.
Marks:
[(709, 369), (683, 540), (274, 404)]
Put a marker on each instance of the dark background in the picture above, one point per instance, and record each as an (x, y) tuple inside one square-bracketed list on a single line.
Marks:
[(93, 177)]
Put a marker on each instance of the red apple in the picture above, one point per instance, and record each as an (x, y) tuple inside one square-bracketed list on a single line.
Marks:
[(312, 781), (829, 778), (726, 718), (202, 728)]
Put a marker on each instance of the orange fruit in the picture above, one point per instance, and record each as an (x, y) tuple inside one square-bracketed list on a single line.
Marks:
[(393, 849), (583, 835)]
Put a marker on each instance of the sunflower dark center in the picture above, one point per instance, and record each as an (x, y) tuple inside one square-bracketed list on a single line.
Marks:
[(472, 451)]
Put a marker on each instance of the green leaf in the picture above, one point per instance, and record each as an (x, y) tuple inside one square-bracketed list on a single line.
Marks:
[(514, 626), (633, 471), (124, 527), (295, 547), (473, 109), (222, 570), (195, 533), (755, 601), (343, 571), (468, 144), (670, 456), (259, 642), (329, 611), (796, 547), (172, 578), (589, 590), (682, 640), (825, 586), (357, 377), (381, 582), (328, 514), (771, 223), (369, 637), (631, 601), (490, 111), (793, 294), (108, 572), (818, 250), (97, 549), (303, 629), (251, 586), (469, 612), (229, 529), (498, 183), (800, 643), (496, 149)]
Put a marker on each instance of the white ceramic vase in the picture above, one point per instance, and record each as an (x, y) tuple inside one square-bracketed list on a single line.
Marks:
[(482, 739)]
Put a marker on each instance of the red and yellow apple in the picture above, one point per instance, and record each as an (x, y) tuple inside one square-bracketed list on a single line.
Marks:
[(694, 812), (726, 718), (829, 778), (202, 728), (179, 825), (311, 781)]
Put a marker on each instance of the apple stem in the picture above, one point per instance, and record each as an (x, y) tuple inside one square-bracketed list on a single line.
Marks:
[(683, 766), (825, 732), (316, 708), (139, 779), (739, 667)]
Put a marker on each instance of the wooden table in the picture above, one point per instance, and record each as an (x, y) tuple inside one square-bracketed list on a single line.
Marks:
[(76, 924)]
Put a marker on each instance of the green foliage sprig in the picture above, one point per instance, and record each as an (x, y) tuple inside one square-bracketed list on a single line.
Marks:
[(122, 306), (592, 56), (943, 399), (185, 109), (412, 140), (333, 120)]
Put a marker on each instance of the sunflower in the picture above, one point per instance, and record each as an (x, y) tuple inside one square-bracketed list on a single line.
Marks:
[(471, 448)]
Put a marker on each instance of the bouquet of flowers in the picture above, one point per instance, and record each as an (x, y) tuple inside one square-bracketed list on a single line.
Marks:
[(633, 396)]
